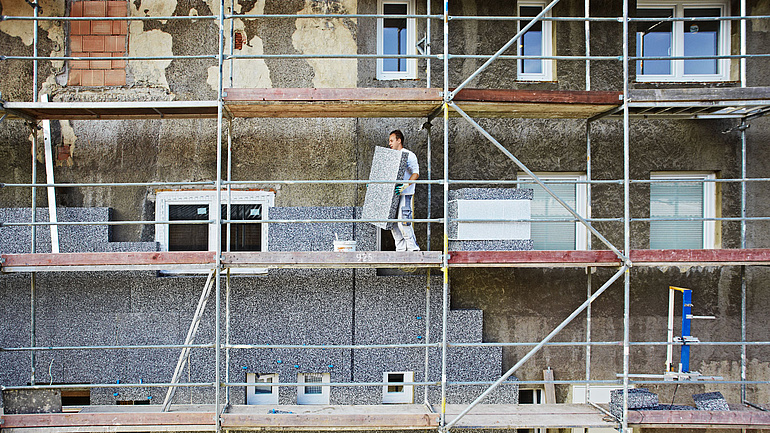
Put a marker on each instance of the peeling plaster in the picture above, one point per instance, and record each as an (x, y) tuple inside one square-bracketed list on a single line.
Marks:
[(249, 73), (53, 30), (155, 8), (325, 36), (152, 43)]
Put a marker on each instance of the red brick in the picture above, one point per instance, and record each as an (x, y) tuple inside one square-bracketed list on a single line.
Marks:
[(116, 8), (80, 27), (116, 44), (77, 9), (118, 64), (74, 77), (63, 153), (92, 78), (76, 44), (115, 78), (101, 27), (79, 64), (101, 64), (94, 9), (93, 44), (119, 27)]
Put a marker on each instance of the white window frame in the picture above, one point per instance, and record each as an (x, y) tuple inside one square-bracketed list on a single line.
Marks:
[(252, 397), (539, 398), (677, 42), (164, 199), (406, 395), (581, 200), (547, 45), (411, 41), (322, 398), (709, 200)]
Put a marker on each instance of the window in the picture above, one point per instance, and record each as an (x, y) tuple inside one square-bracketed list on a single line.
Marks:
[(310, 393), (531, 396), (536, 42), (396, 36), (556, 235), (682, 200), (682, 39), (98, 38), (191, 205), (260, 393), (398, 393)]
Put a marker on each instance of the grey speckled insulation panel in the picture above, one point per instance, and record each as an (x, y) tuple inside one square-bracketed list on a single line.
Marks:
[(710, 401), (381, 202), (491, 194), (493, 243), (505, 245), (285, 306), (80, 238)]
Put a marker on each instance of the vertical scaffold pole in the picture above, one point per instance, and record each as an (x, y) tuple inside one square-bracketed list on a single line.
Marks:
[(33, 250), (626, 219), (218, 219), (589, 270), (35, 37), (430, 204), (744, 355), (445, 259)]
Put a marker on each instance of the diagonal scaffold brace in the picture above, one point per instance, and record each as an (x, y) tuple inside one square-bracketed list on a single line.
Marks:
[(182, 361)]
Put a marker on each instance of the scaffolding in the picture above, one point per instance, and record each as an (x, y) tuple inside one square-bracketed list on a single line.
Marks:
[(743, 103)]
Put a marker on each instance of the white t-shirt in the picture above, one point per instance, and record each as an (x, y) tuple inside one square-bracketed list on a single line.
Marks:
[(412, 167)]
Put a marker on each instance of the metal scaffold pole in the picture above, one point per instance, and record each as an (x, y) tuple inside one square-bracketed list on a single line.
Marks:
[(218, 222), (626, 220), (33, 250), (445, 237), (430, 204)]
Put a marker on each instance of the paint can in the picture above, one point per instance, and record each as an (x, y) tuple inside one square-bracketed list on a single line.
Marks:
[(343, 246)]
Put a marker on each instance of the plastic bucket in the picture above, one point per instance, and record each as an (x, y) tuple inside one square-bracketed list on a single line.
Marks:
[(342, 246)]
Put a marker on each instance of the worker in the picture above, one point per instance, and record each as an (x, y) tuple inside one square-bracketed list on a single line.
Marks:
[(403, 232)]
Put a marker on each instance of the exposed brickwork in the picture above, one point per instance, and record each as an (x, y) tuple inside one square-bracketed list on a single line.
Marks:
[(97, 38)]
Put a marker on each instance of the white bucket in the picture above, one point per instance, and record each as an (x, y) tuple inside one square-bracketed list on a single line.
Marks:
[(342, 246)]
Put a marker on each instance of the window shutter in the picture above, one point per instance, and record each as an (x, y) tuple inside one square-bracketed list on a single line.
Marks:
[(676, 200)]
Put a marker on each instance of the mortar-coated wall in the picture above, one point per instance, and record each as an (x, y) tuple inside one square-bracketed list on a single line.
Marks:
[(518, 304)]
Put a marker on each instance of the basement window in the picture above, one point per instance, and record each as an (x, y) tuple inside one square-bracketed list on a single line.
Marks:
[(537, 41), (398, 393), (396, 36), (311, 392), (195, 208), (261, 392), (682, 39)]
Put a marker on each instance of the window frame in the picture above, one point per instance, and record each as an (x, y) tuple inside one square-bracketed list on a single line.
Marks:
[(164, 199), (547, 44), (581, 201), (411, 41), (677, 42), (253, 398), (710, 201), (304, 398), (406, 395)]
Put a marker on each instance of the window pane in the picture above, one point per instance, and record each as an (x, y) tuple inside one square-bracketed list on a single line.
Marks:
[(654, 39), (553, 235), (701, 38), (188, 237), (394, 37), (676, 200), (243, 237), (531, 42), (313, 378), (264, 389), (395, 377)]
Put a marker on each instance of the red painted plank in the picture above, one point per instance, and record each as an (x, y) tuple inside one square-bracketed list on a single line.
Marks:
[(703, 418), (107, 419), (532, 257), (122, 258)]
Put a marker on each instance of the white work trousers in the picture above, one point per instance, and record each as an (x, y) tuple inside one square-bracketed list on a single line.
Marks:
[(403, 233)]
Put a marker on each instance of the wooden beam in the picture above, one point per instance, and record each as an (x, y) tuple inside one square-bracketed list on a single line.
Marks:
[(534, 258), (107, 419), (321, 421), (752, 419)]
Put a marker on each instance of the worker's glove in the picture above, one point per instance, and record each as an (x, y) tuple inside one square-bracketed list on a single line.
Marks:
[(399, 188)]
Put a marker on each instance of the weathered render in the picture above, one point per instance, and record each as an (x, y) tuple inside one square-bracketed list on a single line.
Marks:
[(365, 306)]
